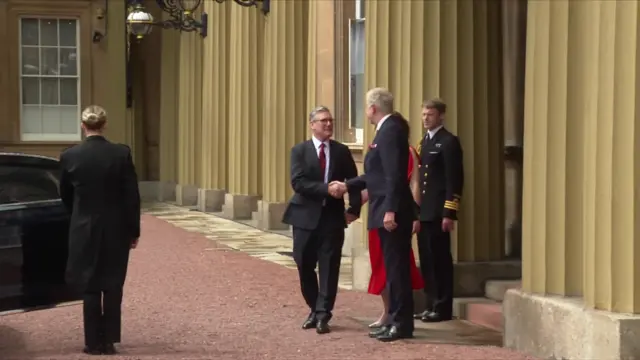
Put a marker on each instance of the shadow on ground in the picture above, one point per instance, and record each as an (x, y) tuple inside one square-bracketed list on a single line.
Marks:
[(11, 342), (456, 332)]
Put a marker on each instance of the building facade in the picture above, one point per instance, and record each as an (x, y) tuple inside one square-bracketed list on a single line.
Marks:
[(211, 121)]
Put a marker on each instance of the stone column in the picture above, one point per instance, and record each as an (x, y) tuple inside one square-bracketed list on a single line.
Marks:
[(459, 44), (285, 104), (553, 162), (190, 118), (169, 69), (245, 111), (612, 158), (215, 104), (580, 203)]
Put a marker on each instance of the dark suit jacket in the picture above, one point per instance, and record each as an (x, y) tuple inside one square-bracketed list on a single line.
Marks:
[(385, 177), (306, 204), (99, 186), (442, 176)]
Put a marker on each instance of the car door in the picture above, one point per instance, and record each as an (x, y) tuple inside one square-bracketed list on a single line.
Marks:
[(33, 234)]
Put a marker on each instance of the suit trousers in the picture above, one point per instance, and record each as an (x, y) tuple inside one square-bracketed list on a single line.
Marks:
[(396, 249), (321, 247), (436, 265), (102, 317)]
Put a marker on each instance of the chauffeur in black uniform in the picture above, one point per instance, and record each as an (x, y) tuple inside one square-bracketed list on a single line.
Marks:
[(99, 187), (442, 177)]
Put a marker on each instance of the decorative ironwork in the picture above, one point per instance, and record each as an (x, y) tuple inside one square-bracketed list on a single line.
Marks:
[(266, 4), (182, 16), (140, 22)]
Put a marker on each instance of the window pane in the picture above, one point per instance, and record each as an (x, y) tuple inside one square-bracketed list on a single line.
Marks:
[(29, 32), (69, 91), (49, 61), (67, 32), (49, 91), (69, 120), (49, 32), (51, 120), (68, 62), (30, 60), (21, 184), (31, 91), (31, 119)]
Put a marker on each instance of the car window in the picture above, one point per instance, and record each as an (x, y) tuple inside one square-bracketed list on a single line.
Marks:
[(26, 184)]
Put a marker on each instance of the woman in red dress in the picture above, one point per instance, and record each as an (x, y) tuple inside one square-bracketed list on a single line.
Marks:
[(378, 281)]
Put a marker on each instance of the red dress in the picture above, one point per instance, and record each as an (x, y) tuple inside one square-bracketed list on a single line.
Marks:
[(378, 280)]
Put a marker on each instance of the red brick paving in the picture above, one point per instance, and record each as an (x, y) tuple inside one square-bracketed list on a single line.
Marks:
[(188, 298)]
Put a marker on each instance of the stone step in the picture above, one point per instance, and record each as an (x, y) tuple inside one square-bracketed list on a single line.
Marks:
[(479, 311), (495, 289)]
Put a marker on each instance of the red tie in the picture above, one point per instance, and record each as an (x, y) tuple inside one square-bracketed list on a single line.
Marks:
[(323, 159)]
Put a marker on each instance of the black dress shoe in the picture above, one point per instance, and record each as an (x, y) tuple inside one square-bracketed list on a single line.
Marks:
[(323, 327), (310, 323), (393, 334), (379, 331), (92, 350), (434, 317), (421, 315), (109, 349)]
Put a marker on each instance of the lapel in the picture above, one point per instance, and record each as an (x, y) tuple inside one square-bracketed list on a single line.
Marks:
[(332, 158), (312, 158)]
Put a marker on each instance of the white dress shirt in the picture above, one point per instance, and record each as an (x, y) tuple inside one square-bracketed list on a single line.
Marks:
[(317, 144), (382, 121), (432, 133)]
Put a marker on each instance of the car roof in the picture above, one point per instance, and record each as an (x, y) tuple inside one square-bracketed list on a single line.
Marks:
[(29, 160)]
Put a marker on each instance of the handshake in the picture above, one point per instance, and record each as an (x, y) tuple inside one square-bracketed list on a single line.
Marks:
[(337, 189)]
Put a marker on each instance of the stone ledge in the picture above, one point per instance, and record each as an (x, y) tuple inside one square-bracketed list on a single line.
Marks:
[(553, 327)]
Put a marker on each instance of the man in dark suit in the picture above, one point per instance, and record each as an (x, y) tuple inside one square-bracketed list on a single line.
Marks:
[(391, 207), (99, 186), (318, 219), (443, 178)]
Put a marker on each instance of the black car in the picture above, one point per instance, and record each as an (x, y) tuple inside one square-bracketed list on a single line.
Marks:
[(34, 225)]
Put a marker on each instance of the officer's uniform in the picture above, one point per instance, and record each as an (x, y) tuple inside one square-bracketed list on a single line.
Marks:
[(441, 182)]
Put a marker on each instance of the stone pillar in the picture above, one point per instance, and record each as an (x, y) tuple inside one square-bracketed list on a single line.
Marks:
[(612, 164), (580, 203), (215, 104), (459, 44), (245, 111), (190, 118), (285, 104), (553, 163), (169, 70)]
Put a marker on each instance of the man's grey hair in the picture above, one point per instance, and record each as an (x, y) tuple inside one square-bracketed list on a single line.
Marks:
[(317, 110), (382, 99)]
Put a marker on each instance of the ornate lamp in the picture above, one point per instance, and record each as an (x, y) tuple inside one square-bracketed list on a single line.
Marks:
[(140, 22)]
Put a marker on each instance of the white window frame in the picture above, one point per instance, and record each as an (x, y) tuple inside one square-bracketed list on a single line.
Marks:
[(358, 131), (43, 136)]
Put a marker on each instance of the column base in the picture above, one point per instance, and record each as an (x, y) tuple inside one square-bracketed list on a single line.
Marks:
[(553, 327), (210, 200), (239, 207), (269, 216), (186, 195), (353, 236), (148, 190), (166, 191), (469, 278)]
